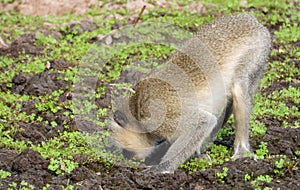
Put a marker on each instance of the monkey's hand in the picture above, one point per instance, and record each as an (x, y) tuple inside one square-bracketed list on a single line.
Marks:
[(187, 143), (160, 168)]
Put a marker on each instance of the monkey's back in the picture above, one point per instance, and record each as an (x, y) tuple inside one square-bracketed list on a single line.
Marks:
[(225, 34), (222, 42)]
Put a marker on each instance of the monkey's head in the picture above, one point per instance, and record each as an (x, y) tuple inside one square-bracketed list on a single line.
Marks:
[(129, 137)]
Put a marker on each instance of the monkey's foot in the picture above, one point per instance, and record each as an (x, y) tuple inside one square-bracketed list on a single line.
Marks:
[(242, 152), (241, 149)]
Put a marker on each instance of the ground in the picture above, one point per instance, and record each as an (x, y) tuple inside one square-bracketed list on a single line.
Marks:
[(29, 136)]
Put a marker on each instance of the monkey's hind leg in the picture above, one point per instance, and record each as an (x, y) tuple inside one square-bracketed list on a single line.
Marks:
[(187, 143), (242, 107)]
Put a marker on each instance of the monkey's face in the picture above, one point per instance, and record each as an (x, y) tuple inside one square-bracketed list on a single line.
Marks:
[(128, 136)]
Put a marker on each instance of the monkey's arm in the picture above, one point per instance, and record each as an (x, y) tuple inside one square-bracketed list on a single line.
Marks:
[(187, 143)]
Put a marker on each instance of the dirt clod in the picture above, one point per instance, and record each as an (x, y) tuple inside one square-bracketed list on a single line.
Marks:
[(29, 160), (39, 84)]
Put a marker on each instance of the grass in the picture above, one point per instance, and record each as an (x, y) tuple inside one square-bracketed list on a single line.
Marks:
[(217, 155), (280, 105)]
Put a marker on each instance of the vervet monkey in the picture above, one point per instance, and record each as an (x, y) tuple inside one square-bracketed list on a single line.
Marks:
[(172, 114)]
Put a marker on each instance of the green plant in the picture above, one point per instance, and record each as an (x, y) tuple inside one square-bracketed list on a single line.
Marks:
[(222, 175), (33, 65), (6, 74), (217, 155), (4, 174), (281, 70), (247, 177), (275, 105), (261, 180), (62, 166), (227, 130), (262, 151), (46, 186), (7, 1), (195, 164), (53, 123), (257, 128), (289, 32), (13, 185), (7, 141), (282, 165), (279, 166), (68, 187), (24, 185)]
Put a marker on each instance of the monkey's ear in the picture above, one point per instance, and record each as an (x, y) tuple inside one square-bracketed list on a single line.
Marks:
[(120, 118)]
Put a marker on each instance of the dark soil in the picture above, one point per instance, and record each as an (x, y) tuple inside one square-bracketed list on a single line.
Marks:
[(33, 168)]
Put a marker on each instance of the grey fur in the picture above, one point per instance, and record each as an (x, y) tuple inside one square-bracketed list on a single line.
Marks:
[(222, 65)]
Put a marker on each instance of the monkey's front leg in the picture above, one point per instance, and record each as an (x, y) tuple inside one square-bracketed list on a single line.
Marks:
[(187, 143)]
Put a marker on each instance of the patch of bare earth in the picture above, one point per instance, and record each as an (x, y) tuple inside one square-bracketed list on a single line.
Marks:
[(46, 7), (79, 7)]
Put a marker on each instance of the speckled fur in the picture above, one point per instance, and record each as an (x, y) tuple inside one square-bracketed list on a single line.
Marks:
[(240, 46)]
